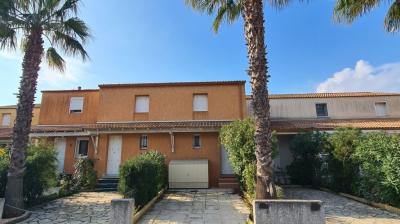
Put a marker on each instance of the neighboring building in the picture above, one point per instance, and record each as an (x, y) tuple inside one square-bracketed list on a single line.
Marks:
[(117, 122), (7, 120), (291, 113)]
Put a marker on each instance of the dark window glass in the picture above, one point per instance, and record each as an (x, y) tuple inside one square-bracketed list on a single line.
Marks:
[(143, 142), (322, 109), (83, 147), (196, 141)]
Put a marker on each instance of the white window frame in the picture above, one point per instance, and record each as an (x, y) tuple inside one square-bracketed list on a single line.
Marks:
[(193, 143), (77, 143), (147, 142), (146, 108), (197, 106), (4, 115), (73, 110), (386, 108)]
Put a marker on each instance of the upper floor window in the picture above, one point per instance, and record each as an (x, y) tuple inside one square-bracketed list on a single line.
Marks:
[(142, 104), (82, 147), (143, 142), (321, 109), (200, 102), (196, 142), (381, 109), (76, 105), (6, 120)]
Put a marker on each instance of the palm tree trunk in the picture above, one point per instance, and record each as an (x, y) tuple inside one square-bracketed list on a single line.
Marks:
[(20, 137), (253, 16)]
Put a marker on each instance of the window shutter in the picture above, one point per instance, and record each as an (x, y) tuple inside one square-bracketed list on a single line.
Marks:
[(76, 104), (142, 104), (380, 109), (200, 102), (6, 120)]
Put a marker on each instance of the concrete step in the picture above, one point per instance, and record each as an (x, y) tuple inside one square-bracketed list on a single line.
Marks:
[(105, 189), (229, 185)]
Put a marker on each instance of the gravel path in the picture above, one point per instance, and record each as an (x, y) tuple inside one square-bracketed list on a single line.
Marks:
[(86, 207), (340, 210)]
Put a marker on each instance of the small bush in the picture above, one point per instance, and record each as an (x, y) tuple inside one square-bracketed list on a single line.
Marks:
[(143, 177), (238, 139), (343, 167), (40, 171), (85, 177), (308, 149), (379, 157), (4, 164), (66, 184)]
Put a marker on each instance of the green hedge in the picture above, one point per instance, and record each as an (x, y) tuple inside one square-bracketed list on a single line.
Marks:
[(84, 177), (366, 165), (40, 172), (143, 177), (238, 139)]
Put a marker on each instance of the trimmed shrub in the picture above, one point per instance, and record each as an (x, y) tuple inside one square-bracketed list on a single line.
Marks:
[(379, 157), (84, 177), (4, 163), (307, 149), (40, 171), (342, 166), (143, 177), (238, 139)]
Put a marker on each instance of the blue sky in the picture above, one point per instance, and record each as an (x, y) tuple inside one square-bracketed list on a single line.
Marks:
[(162, 41)]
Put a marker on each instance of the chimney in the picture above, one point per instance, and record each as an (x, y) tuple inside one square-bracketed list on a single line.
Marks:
[(79, 88)]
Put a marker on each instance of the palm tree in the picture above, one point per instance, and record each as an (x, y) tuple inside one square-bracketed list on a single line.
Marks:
[(349, 10), (34, 21), (253, 16)]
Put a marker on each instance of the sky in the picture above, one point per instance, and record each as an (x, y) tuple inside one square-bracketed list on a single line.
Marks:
[(166, 41)]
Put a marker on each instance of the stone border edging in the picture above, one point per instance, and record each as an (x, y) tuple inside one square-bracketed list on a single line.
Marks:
[(365, 201), (147, 207), (374, 204), (18, 219)]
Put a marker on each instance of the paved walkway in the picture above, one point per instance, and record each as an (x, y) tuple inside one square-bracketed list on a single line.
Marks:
[(198, 206), (86, 207), (340, 210)]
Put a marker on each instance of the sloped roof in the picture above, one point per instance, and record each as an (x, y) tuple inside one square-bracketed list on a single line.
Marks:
[(329, 95), (15, 106), (173, 84), (329, 124)]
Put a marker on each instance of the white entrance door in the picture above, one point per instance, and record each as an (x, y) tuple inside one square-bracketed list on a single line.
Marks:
[(226, 167), (60, 144), (114, 155)]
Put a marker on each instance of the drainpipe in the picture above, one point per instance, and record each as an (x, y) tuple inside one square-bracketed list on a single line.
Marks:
[(171, 134)]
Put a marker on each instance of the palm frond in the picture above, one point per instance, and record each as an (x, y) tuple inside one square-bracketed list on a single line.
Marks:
[(279, 4), (348, 10), (228, 10), (8, 37), (54, 60), (392, 19), (67, 7), (69, 44), (76, 27)]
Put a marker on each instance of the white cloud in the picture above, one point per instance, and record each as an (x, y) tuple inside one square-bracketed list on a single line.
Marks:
[(75, 71), (364, 77)]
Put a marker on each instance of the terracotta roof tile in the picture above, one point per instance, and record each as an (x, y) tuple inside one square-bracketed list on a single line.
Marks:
[(173, 84), (139, 125), (329, 95), (5, 133), (329, 124)]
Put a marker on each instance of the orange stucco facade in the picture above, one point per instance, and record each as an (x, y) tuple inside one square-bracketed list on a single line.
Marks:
[(115, 104)]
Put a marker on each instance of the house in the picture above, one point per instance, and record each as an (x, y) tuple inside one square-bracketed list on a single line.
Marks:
[(118, 121), (7, 116), (291, 113)]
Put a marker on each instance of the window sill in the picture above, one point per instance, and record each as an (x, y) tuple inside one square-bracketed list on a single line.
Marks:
[(197, 148)]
